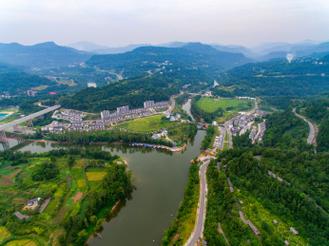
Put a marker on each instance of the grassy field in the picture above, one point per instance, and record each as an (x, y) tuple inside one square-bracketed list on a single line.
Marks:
[(211, 105), (12, 114), (66, 192), (4, 234), (22, 242), (222, 108), (179, 132), (95, 175), (147, 124)]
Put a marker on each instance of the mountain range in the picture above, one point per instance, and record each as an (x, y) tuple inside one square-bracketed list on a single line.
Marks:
[(262, 52), (43, 55), (151, 59), (303, 76)]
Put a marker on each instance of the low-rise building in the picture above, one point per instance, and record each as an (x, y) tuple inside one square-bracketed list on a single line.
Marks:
[(92, 85), (32, 204)]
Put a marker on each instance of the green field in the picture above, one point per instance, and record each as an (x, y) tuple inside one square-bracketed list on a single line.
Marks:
[(72, 192), (211, 105), (219, 109), (12, 114), (178, 132), (147, 124)]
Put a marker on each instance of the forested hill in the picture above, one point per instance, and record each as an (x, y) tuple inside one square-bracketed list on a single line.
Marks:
[(302, 77), (132, 92), (43, 55), (14, 80), (195, 57)]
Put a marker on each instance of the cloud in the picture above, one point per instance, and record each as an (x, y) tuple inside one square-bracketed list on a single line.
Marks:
[(132, 21)]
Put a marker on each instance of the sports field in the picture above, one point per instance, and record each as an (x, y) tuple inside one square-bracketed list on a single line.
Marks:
[(211, 105), (146, 124)]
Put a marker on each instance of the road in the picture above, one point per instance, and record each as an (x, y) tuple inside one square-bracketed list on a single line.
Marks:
[(229, 134), (311, 139), (28, 117), (197, 233)]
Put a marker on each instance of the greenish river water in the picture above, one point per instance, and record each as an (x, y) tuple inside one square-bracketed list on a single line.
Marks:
[(160, 180)]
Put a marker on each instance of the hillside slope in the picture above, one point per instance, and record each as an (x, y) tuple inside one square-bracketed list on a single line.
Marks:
[(192, 57), (302, 77), (43, 55)]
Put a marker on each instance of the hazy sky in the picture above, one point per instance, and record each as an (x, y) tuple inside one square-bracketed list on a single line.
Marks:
[(119, 22)]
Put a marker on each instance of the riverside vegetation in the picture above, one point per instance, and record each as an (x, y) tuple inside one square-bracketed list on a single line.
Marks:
[(183, 225), (82, 187)]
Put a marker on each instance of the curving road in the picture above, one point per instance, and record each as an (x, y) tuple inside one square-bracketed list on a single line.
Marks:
[(202, 206), (311, 139)]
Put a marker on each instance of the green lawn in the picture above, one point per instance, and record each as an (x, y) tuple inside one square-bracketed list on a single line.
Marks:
[(146, 124), (219, 109), (179, 132), (211, 105)]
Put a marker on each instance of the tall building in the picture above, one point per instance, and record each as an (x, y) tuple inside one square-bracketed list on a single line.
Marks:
[(123, 109), (105, 114), (149, 104)]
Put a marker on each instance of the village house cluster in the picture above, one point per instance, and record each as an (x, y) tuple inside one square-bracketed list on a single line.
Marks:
[(73, 120), (257, 132), (245, 122), (125, 113)]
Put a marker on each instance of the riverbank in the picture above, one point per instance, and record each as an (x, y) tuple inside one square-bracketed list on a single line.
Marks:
[(151, 172), (79, 187), (181, 228), (156, 146)]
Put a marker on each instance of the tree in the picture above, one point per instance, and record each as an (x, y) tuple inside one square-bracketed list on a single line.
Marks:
[(45, 171)]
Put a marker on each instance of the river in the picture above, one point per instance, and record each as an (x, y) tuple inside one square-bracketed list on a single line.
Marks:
[(160, 180)]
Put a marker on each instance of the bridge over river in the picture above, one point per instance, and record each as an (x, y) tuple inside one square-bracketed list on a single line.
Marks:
[(6, 126)]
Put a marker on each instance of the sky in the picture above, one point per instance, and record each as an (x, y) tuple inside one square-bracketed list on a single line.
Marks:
[(122, 22)]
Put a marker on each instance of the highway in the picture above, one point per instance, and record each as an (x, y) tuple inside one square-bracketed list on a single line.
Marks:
[(197, 233), (28, 117), (311, 139)]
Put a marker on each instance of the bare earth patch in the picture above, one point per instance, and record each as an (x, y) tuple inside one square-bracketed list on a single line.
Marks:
[(7, 180), (77, 197)]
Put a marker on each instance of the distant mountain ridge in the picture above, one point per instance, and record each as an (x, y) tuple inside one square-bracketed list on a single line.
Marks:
[(280, 50), (102, 49), (42, 55), (151, 59), (303, 76)]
